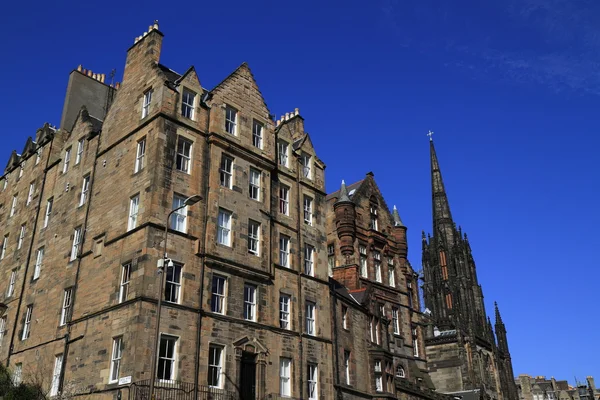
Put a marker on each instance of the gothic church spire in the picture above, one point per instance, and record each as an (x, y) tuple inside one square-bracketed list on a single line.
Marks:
[(442, 217)]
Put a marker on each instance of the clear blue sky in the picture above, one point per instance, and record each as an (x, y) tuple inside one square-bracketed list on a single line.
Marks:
[(511, 88)]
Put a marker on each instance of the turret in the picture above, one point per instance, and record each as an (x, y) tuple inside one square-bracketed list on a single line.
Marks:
[(399, 232), (345, 216)]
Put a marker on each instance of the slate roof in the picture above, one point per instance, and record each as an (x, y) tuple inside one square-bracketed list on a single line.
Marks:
[(343, 291), (351, 190), (169, 73), (467, 394)]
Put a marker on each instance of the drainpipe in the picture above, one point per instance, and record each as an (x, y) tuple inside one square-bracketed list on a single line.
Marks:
[(300, 297)]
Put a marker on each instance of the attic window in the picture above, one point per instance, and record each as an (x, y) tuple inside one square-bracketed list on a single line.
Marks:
[(188, 103), (306, 161), (373, 213), (231, 120)]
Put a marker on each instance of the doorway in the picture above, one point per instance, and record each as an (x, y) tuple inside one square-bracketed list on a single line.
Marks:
[(248, 376)]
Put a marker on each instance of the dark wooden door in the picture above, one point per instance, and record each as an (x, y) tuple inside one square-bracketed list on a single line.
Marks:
[(248, 377)]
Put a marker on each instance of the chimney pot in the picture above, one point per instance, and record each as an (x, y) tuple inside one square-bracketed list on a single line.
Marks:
[(156, 24), (89, 73), (287, 116), (102, 77), (278, 122), (117, 85), (150, 28), (93, 76), (79, 68), (296, 111)]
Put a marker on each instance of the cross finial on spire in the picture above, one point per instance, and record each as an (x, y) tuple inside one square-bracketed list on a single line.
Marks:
[(430, 134)]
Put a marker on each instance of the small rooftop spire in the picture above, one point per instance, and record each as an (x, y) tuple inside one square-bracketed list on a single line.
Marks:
[(396, 215), (498, 317), (343, 194)]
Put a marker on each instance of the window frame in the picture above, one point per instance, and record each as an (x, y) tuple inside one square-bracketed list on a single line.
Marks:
[(224, 233), (216, 297), (226, 171), (257, 135), (77, 232), (188, 110), (179, 218), (377, 266), (4, 247), (363, 261), (124, 282), (3, 329), (283, 153), (165, 358), (85, 189), (254, 237), (134, 209), (396, 320), (391, 273), (22, 233), (12, 283), (254, 183), (347, 355), (48, 213), (285, 311), (140, 155), (13, 207), (284, 251), (184, 155), (146, 101), (30, 193), (312, 381), (56, 372), (67, 304), (27, 323), (344, 317), (39, 260), (231, 124), (415, 337), (215, 370), (250, 304), (284, 199), (311, 318), (306, 162), (309, 260), (66, 160), (80, 149), (285, 376), (115, 359), (308, 210), (173, 287)]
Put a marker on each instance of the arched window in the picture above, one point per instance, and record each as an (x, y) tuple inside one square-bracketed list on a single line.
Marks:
[(449, 301), (400, 372), (444, 265)]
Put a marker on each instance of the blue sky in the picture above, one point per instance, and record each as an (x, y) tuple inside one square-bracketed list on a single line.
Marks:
[(511, 88)]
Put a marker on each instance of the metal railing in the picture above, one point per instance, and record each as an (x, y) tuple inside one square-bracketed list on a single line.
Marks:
[(177, 390)]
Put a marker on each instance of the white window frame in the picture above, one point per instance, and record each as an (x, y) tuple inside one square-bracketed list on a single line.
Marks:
[(226, 171), (39, 260), (250, 302), (306, 161), (66, 160), (224, 228), (215, 366), (146, 103), (179, 217), (65, 312), (330, 259), (378, 376), (2, 329), (125, 280), (27, 322), (364, 269), (254, 178), (80, 147), (400, 373), (344, 317), (5, 183), (391, 272), (4, 247), (282, 153), (58, 360), (309, 260), (13, 207), (115, 359), (231, 120), (218, 298), (396, 320), (377, 266), (374, 217), (166, 358), (85, 188), (31, 192), (140, 155), (21, 237), (313, 381), (285, 311), (347, 356), (285, 376), (311, 318), (134, 208), (257, 134), (173, 283), (76, 242), (308, 210), (38, 155), (11, 283), (188, 104), (254, 238), (415, 337), (21, 169), (284, 251), (48, 213), (183, 156), (284, 199)]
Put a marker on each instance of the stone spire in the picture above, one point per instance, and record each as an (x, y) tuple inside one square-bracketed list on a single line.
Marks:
[(501, 332), (343, 194), (442, 217), (396, 215), (498, 316)]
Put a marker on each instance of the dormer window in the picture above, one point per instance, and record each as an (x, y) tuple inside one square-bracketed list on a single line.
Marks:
[(257, 134), (231, 120), (306, 161), (282, 153), (188, 104)]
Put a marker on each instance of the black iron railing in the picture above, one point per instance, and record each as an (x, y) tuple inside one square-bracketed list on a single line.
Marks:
[(177, 390)]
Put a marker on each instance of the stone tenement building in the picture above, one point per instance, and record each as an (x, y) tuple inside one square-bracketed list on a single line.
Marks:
[(249, 308), (540, 388), (462, 351)]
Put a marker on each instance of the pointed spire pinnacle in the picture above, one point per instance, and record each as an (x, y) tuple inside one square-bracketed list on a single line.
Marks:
[(441, 208), (396, 215), (498, 317), (343, 194)]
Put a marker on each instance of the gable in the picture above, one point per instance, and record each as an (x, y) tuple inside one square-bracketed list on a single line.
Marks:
[(368, 191), (241, 84)]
